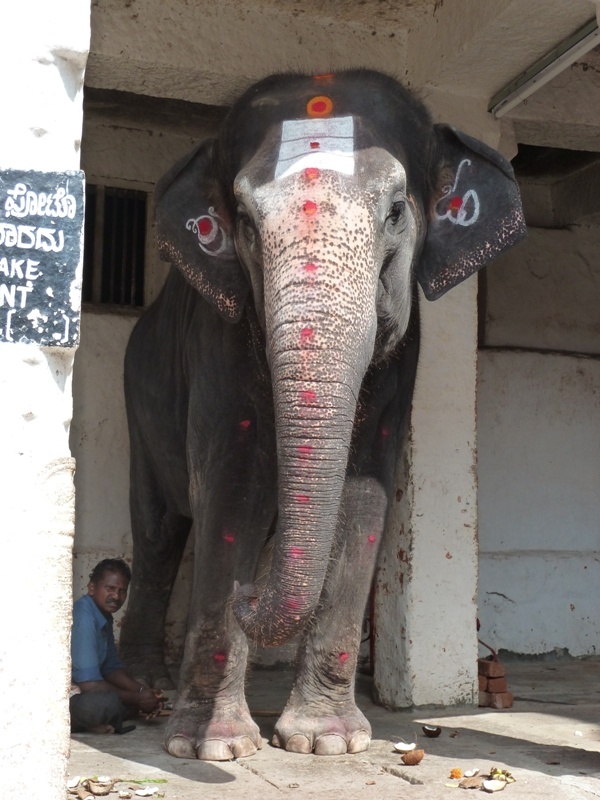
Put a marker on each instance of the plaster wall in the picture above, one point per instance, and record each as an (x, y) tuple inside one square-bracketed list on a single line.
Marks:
[(546, 293), (130, 153), (43, 56), (539, 505), (539, 446)]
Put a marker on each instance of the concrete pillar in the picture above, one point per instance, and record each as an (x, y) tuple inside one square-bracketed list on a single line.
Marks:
[(426, 587), (42, 59), (425, 604)]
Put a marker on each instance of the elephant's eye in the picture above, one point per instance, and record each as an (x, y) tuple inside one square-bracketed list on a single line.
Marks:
[(246, 227), (396, 211)]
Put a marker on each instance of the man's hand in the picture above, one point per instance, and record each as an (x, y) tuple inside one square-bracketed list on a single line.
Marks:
[(150, 702)]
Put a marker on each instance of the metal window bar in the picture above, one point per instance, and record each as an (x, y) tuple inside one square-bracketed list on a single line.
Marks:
[(114, 249)]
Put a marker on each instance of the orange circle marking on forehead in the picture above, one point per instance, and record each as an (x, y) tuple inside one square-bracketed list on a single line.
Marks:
[(320, 106)]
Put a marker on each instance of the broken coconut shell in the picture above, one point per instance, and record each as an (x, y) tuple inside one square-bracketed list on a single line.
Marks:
[(403, 747), (493, 785), (413, 758), (432, 731), (474, 782)]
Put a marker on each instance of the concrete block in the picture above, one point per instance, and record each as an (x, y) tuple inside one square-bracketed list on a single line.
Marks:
[(485, 698), (500, 699), (491, 669), (496, 685)]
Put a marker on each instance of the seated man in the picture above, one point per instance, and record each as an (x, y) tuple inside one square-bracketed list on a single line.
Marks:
[(105, 693)]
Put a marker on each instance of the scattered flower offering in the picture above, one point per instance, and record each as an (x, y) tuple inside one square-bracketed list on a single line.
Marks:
[(456, 773)]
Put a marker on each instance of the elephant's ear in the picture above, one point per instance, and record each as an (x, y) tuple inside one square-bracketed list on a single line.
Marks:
[(474, 215), (195, 233)]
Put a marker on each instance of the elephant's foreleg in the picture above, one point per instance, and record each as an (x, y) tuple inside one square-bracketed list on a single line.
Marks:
[(159, 538), (211, 720), (321, 714)]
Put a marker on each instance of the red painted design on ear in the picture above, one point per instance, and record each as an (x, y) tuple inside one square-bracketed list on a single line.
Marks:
[(245, 424), (310, 267), (205, 226), (306, 334), (308, 396), (371, 538), (309, 208), (456, 203), (229, 537), (305, 450), (343, 657), (296, 552), (315, 145), (302, 498), (219, 657)]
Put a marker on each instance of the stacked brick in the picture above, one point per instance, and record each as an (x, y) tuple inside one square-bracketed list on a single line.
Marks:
[(493, 688)]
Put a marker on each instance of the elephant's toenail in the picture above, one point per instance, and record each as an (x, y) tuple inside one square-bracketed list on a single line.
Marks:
[(298, 743), (330, 744)]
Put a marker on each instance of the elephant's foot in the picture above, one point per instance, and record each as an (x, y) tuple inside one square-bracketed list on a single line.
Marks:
[(229, 734), (147, 666), (311, 729)]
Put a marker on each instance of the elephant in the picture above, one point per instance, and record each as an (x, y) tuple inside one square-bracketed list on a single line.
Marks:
[(269, 387)]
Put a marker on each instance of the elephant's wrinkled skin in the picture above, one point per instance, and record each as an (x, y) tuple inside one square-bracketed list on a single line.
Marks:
[(268, 388)]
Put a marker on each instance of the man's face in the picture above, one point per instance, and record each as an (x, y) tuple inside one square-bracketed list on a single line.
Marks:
[(110, 592)]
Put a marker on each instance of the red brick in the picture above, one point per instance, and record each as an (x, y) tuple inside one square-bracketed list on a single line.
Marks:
[(484, 699), (496, 685), (501, 700), (483, 682), (492, 669)]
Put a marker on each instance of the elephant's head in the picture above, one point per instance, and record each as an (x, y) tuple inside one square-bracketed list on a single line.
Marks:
[(320, 203)]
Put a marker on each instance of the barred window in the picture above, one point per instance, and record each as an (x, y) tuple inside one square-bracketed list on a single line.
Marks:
[(114, 246)]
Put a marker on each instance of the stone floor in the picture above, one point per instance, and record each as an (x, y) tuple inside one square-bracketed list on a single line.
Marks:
[(549, 741)]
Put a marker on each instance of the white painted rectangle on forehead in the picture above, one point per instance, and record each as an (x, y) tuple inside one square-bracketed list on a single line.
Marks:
[(335, 137)]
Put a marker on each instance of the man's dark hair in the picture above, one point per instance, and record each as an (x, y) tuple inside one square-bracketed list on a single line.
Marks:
[(110, 565)]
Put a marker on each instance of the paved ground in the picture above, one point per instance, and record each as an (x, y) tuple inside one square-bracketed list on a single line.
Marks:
[(549, 740)]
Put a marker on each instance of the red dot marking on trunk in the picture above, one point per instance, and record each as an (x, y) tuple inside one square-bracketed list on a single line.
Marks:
[(312, 173), (292, 604), (302, 498), (310, 267), (343, 657), (315, 145), (306, 334), (456, 203), (308, 396), (309, 208), (219, 657), (385, 432), (245, 424), (371, 539), (296, 552), (228, 537), (305, 450)]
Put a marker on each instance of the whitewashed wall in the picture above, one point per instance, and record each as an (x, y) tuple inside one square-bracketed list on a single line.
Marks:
[(42, 59), (539, 448)]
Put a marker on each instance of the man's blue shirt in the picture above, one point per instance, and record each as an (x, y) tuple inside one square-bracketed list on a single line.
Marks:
[(93, 649)]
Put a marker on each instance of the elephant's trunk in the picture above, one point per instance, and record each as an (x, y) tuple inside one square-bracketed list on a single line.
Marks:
[(320, 323)]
